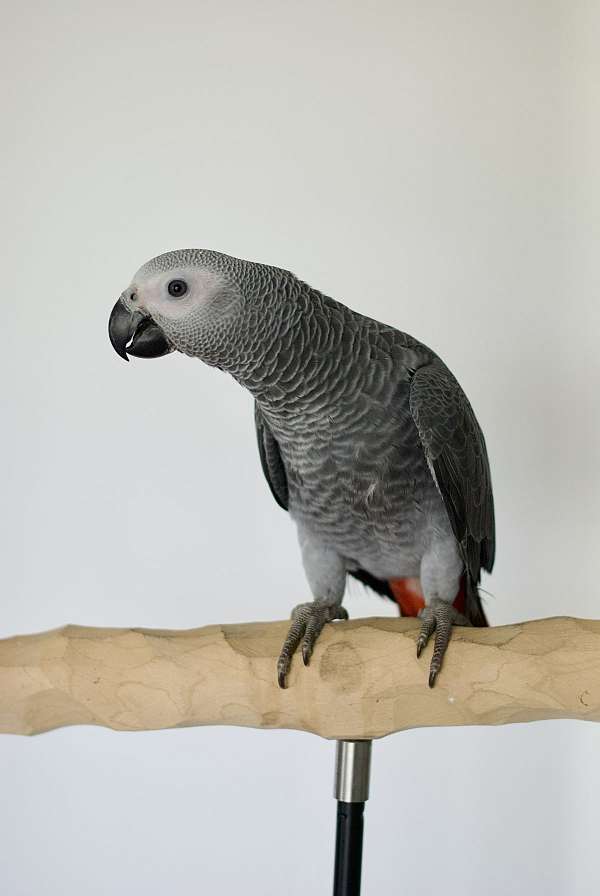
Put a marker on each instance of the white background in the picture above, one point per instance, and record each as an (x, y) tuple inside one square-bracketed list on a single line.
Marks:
[(430, 164)]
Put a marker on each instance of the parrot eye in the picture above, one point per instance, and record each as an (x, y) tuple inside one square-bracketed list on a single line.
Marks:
[(177, 288)]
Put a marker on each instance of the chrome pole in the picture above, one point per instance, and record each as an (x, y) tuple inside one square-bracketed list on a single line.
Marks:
[(352, 775)]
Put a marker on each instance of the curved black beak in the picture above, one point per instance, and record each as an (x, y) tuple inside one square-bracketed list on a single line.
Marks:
[(136, 334)]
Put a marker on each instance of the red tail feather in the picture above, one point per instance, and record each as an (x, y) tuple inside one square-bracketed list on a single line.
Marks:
[(409, 596)]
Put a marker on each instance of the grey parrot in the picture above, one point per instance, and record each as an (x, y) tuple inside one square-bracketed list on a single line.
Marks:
[(364, 436)]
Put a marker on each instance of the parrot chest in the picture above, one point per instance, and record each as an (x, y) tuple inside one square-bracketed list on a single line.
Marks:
[(356, 471), (365, 492)]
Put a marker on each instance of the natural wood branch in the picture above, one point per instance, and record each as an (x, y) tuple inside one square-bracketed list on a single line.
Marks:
[(364, 680)]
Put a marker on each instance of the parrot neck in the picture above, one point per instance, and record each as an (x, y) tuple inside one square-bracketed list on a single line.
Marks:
[(292, 355)]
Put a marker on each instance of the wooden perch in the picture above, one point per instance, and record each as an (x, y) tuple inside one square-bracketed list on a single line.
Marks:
[(364, 680)]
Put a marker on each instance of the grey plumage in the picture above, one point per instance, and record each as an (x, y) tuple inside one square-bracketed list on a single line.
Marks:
[(455, 448), (271, 460), (364, 434)]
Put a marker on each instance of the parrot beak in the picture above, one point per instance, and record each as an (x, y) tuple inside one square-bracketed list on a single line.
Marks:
[(136, 334)]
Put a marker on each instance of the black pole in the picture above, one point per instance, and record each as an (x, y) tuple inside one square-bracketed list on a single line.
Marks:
[(352, 772), (348, 849)]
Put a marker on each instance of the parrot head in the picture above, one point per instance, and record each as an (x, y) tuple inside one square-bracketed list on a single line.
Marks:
[(181, 301)]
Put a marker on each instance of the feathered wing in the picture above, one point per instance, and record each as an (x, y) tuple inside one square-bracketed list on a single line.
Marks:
[(455, 450), (270, 459)]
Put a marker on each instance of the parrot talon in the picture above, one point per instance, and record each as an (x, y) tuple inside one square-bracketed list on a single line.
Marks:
[(308, 621), (439, 617)]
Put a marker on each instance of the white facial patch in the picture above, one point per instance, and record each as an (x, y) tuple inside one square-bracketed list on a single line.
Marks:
[(203, 287)]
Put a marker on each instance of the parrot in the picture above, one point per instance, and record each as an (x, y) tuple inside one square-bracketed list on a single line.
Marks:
[(364, 435)]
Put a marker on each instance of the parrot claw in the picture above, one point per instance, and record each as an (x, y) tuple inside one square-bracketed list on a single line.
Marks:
[(308, 621), (438, 617)]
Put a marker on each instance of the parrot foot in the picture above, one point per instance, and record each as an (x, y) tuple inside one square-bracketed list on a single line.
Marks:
[(308, 621), (438, 617)]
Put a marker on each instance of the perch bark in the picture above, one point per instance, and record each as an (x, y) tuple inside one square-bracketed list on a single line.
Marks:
[(364, 680)]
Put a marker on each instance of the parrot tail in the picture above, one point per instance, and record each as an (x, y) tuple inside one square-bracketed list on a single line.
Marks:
[(407, 594), (473, 607)]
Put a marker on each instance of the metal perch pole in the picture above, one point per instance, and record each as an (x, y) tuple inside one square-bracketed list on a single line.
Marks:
[(352, 773)]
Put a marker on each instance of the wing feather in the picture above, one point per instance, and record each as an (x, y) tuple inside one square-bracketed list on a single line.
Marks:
[(270, 459), (456, 453)]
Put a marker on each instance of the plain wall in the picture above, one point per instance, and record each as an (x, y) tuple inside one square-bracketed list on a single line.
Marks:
[(434, 165)]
